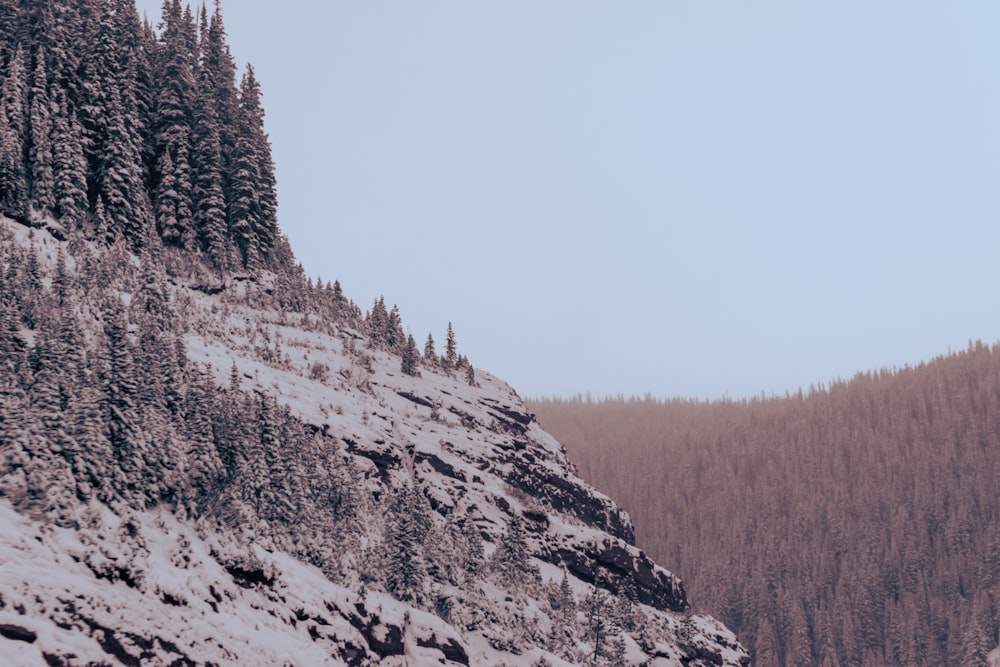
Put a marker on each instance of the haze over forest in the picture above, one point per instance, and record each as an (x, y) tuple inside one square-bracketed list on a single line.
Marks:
[(854, 524)]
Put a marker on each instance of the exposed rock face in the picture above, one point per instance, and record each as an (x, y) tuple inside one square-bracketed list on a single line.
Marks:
[(175, 591)]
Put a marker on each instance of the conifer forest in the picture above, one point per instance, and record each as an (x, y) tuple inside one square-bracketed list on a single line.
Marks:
[(208, 457), (856, 523)]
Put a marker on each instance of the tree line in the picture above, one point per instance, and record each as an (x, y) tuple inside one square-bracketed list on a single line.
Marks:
[(110, 126), (853, 524)]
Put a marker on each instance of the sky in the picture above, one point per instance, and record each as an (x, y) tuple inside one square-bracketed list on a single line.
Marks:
[(695, 199)]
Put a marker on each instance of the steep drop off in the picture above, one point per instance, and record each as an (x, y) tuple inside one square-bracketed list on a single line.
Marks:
[(324, 495)]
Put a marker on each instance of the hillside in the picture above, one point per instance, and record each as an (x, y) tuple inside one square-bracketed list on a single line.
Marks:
[(207, 458), (262, 466), (855, 523)]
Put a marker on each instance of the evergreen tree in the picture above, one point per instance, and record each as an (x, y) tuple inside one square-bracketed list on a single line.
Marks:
[(8, 26), (168, 202), (69, 168), (511, 560), (450, 349), (598, 624), (377, 323), (217, 74), (411, 357), (112, 127), (14, 192), (430, 355), (254, 473), (203, 463), (40, 158), (394, 337), (60, 281), (616, 650), (172, 125), (563, 614), (209, 200), (253, 206), (120, 413), (976, 643), (408, 526)]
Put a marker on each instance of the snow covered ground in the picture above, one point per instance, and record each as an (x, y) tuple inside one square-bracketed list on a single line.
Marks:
[(152, 588)]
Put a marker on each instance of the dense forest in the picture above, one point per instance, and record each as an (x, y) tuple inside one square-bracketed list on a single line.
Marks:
[(853, 524), (126, 132)]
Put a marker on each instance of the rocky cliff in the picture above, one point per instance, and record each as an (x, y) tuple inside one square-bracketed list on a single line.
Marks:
[(171, 583)]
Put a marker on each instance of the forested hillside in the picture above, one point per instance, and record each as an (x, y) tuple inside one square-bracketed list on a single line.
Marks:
[(854, 524), (129, 133), (207, 457)]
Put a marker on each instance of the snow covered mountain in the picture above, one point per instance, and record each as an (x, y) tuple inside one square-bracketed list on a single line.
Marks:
[(208, 459), (469, 539)]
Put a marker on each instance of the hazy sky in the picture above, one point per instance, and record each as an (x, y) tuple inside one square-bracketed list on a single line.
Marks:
[(683, 198)]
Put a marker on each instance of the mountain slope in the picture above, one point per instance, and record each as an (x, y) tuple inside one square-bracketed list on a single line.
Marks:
[(205, 457), (853, 524), (450, 526)]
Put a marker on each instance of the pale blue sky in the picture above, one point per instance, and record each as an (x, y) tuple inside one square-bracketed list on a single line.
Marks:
[(689, 199)]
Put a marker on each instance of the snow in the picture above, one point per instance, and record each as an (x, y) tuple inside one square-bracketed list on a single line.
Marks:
[(169, 584)]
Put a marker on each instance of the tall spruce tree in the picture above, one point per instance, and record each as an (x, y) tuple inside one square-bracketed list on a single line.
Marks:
[(253, 203), (112, 126), (120, 413), (69, 167), (395, 339), (172, 126), (450, 349), (14, 186), (40, 139), (218, 76)]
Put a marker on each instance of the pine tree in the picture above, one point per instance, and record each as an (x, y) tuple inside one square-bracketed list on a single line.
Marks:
[(598, 624), (511, 560), (377, 323), (203, 462), (765, 651), (14, 187), (253, 203), (430, 355), (60, 281), (172, 126), (411, 357), (450, 349), (8, 24), (976, 643), (167, 203), (563, 614), (218, 83), (470, 375), (254, 473), (408, 526), (394, 337), (112, 126), (69, 168), (40, 158), (109, 115), (208, 197), (119, 410), (616, 650)]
